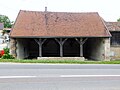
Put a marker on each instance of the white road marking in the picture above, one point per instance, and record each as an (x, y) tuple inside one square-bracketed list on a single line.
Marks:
[(17, 77), (62, 76), (89, 76)]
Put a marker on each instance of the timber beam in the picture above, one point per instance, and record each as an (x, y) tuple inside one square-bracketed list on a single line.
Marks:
[(61, 43), (81, 41), (40, 42)]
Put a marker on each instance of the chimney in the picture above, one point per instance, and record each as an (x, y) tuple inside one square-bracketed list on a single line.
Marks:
[(45, 9), (46, 18)]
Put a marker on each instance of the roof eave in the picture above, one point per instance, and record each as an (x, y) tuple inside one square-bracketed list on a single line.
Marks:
[(60, 36)]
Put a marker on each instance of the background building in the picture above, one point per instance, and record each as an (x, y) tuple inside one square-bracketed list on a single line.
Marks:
[(114, 28), (4, 37)]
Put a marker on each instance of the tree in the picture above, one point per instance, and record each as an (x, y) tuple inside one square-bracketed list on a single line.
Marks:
[(6, 21), (118, 20)]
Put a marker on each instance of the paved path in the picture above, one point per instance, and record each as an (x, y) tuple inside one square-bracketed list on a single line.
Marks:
[(59, 77)]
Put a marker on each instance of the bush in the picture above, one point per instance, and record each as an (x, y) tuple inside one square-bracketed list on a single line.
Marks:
[(7, 56), (6, 50)]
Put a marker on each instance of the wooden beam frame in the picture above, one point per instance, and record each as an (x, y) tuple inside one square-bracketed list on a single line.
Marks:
[(40, 43), (81, 42), (61, 43)]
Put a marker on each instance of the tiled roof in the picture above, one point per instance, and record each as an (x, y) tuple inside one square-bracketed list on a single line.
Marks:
[(1, 26), (58, 24), (113, 26)]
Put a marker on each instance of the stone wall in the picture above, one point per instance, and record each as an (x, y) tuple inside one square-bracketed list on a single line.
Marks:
[(13, 47), (107, 48), (115, 52), (100, 49)]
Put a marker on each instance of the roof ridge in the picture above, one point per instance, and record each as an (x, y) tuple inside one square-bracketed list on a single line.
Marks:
[(61, 12)]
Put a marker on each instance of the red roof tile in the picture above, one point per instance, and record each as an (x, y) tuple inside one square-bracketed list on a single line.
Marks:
[(113, 26), (58, 24)]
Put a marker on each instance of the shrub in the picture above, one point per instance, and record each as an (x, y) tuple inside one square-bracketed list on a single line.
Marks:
[(6, 50), (7, 56)]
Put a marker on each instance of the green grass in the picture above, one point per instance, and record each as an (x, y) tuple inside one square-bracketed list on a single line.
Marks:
[(59, 61)]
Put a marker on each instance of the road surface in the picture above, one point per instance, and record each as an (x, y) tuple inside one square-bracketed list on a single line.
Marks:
[(59, 77)]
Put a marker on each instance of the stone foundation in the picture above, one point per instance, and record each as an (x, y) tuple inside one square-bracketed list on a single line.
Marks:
[(62, 58)]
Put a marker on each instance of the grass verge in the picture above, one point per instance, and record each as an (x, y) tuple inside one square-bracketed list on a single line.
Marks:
[(59, 61)]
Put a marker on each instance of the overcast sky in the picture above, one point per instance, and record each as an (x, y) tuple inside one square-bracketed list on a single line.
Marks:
[(109, 10)]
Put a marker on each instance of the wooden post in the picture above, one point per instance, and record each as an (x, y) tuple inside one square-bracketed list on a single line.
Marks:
[(61, 43), (81, 48), (61, 48), (40, 47), (81, 42), (40, 43)]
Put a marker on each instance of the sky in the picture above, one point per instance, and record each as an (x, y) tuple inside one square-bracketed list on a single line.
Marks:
[(109, 10)]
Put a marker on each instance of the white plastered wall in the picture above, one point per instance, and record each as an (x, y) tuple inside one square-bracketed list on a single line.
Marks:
[(22, 49), (100, 49)]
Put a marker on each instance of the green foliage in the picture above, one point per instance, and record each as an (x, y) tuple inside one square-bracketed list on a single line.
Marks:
[(7, 23), (118, 20), (4, 31), (6, 50), (7, 56)]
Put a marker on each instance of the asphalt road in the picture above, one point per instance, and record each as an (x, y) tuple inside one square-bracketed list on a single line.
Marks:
[(59, 77)]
